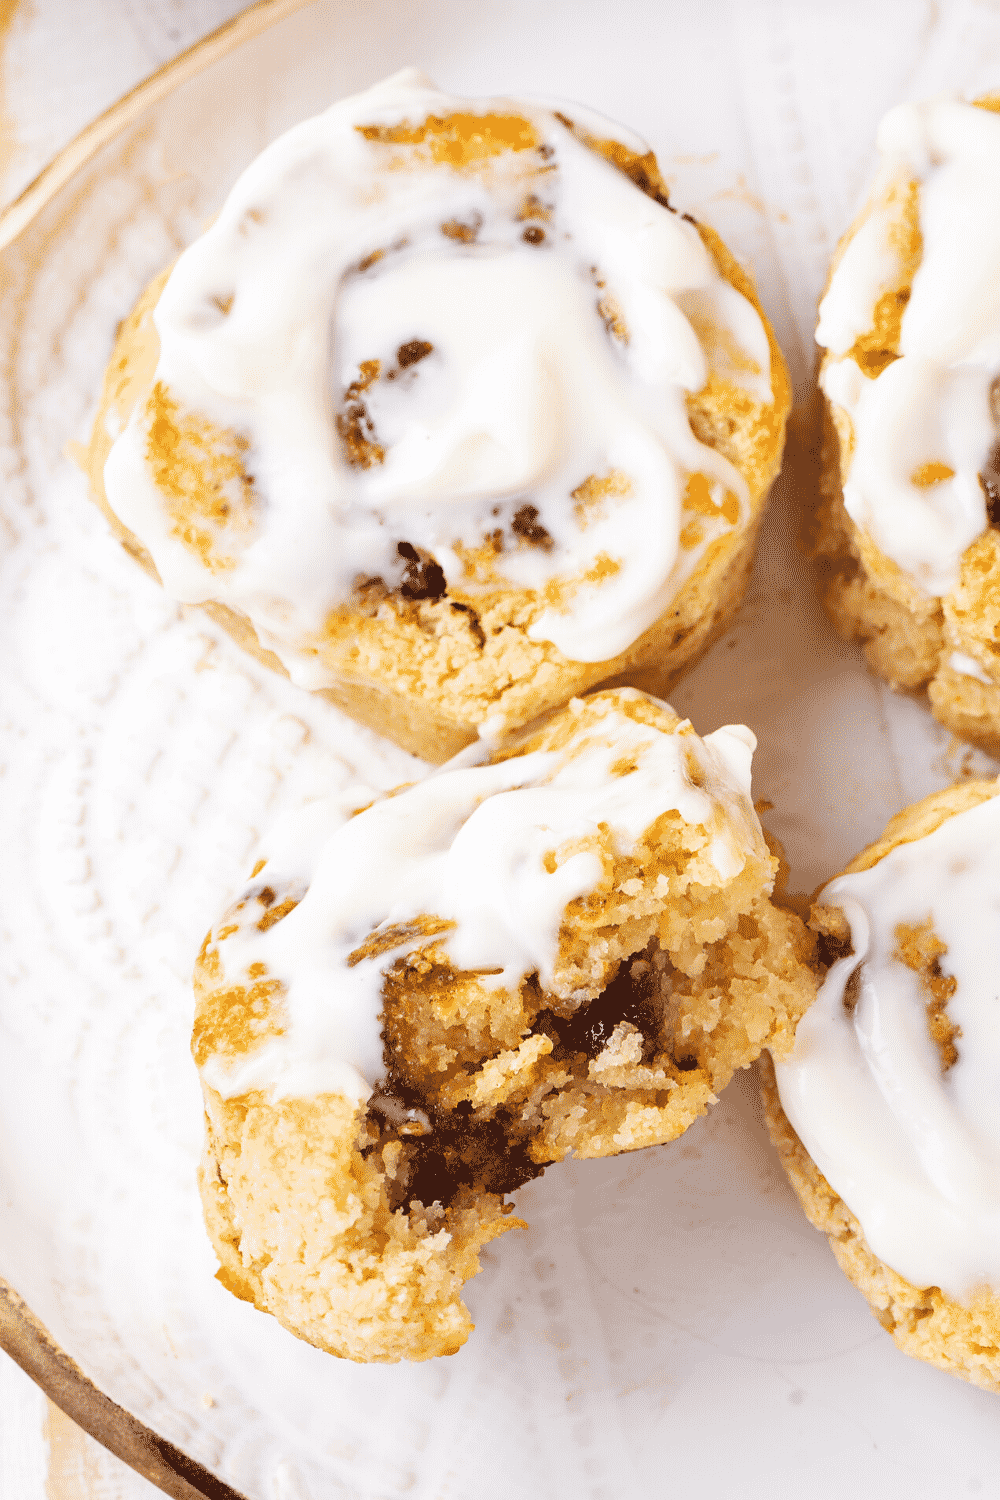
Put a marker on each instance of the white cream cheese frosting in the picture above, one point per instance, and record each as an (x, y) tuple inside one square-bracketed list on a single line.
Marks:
[(912, 1147), (488, 849), (967, 666), (527, 313), (932, 405)]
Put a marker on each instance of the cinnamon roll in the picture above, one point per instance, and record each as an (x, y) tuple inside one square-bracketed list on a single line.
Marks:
[(568, 946), (909, 524), (885, 1112), (449, 415)]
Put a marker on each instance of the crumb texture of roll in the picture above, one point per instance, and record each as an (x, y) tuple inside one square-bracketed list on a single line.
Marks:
[(569, 946), (884, 1113), (909, 519), (449, 415)]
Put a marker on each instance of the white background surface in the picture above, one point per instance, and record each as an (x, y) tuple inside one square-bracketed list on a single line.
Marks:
[(61, 63), (669, 1319)]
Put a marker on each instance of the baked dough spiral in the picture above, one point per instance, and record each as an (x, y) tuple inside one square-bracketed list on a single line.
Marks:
[(449, 414)]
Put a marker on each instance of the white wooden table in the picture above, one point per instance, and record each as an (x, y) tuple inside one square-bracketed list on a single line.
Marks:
[(62, 62)]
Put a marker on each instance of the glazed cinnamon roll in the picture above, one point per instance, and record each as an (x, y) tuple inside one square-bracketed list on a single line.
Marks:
[(909, 524), (885, 1112), (449, 415), (567, 947)]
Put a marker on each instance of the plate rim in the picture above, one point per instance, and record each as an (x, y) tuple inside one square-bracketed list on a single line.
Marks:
[(22, 1335), (29, 1344), (250, 23)]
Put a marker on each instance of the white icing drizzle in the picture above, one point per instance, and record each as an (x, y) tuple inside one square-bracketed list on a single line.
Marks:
[(266, 319), (468, 846), (932, 405), (914, 1151), (967, 666)]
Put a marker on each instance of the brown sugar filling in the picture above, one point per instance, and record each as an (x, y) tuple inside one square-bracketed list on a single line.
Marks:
[(989, 478), (832, 934), (989, 475), (424, 578), (852, 990), (354, 423), (445, 1151), (355, 427), (638, 995), (453, 1151), (830, 947), (412, 352), (527, 526)]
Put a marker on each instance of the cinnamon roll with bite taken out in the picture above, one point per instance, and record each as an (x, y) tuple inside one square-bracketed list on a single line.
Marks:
[(568, 946)]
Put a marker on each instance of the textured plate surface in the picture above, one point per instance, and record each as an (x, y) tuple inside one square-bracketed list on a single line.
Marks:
[(668, 1317)]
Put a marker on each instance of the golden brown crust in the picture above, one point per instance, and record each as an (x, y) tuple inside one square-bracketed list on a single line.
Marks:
[(908, 637), (127, 380), (921, 818), (428, 672), (962, 1338), (668, 978), (923, 1321), (302, 1225)]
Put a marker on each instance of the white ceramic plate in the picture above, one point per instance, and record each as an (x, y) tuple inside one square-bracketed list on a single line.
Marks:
[(669, 1321)]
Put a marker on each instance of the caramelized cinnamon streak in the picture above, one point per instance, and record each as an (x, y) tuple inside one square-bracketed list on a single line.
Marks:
[(423, 578), (527, 526), (989, 478), (445, 1151), (921, 950), (354, 424), (631, 996), (458, 140)]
